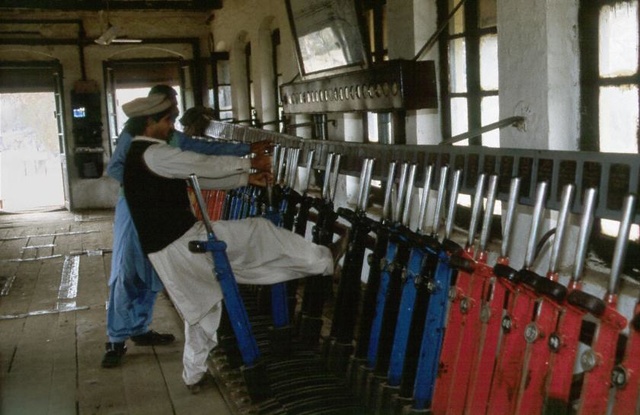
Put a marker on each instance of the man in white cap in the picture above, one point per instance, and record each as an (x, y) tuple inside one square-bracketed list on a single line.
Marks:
[(259, 252), (133, 283)]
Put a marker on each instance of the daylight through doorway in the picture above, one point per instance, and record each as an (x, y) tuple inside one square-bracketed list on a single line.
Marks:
[(30, 165)]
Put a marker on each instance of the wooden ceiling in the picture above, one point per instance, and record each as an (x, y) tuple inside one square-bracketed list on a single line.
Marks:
[(93, 5)]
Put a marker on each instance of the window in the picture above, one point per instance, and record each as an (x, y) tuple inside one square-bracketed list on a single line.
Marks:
[(253, 118), (130, 79), (277, 71), (378, 126), (469, 65), (609, 69), (609, 41), (375, 12), (220, 86)]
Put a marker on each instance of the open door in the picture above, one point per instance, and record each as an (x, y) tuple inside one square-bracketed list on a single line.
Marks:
[(33, 172), (62, 142)]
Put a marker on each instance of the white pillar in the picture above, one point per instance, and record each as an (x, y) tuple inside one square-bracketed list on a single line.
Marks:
[(264, 81), (411, 24), (538, 64), (239, 86)]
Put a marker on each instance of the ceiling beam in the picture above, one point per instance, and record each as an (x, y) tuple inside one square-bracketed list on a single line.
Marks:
[(94, 5)]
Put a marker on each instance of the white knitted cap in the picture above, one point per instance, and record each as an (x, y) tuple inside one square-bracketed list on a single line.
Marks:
[(152, 104)]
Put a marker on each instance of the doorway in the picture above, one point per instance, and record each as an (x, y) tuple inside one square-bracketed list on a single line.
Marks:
[(31, 160), (33, 165)]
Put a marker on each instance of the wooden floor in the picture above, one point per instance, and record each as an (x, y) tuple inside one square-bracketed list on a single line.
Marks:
[(54, 268)]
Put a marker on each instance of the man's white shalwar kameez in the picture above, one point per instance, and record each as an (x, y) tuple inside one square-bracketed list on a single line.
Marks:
[(258, 251)]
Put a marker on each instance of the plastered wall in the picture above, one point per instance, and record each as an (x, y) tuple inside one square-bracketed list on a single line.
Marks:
[(101, 192)]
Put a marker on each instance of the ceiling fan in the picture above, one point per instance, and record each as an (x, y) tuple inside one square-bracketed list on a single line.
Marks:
[(110, 35)]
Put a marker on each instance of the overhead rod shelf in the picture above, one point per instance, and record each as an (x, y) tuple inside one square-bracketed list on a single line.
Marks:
[(613, 174), (94, 5), (389, 86)]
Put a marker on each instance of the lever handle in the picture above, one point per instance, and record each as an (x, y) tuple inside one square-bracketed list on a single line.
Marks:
[(475, 209), (202, 206), (620, 250), (514, 191), (492, 190), (442, 189), (453, 203), (586, 223), (561, 226), (336, 174), (386, 206), (409, 194), (365, 185), (538, 210), (424, 200), (327, 176), (309, 166)]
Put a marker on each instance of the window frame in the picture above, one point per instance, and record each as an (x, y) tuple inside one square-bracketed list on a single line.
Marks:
[(590, 84), (472, 34), (590, 79)]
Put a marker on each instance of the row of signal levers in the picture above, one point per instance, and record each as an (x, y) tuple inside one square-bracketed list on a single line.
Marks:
[(436, 328)]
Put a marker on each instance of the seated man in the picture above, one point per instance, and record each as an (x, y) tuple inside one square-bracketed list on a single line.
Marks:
[(156, 192)]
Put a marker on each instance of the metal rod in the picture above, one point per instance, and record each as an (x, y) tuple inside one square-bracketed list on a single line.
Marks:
[(424, 200), (514, 192), (492, 190), (195, 184), (386, 205), (404, 168), (309, 167), (561, 226), (436, 35), (275, 157), (475, 209), (442, 189), (620, 250), (536, 219), (281, 164), (363, 173), (367, 185), (288, 169), (409, 194), (336, 175), (586, 224), (294, 168), (327, 176), (484, 129), (453, 203)]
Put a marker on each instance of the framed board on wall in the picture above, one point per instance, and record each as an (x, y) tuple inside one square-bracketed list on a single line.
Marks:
[(328, 35)]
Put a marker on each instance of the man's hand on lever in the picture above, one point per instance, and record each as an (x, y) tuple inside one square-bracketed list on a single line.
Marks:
[(261, 162), (261, 179)]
